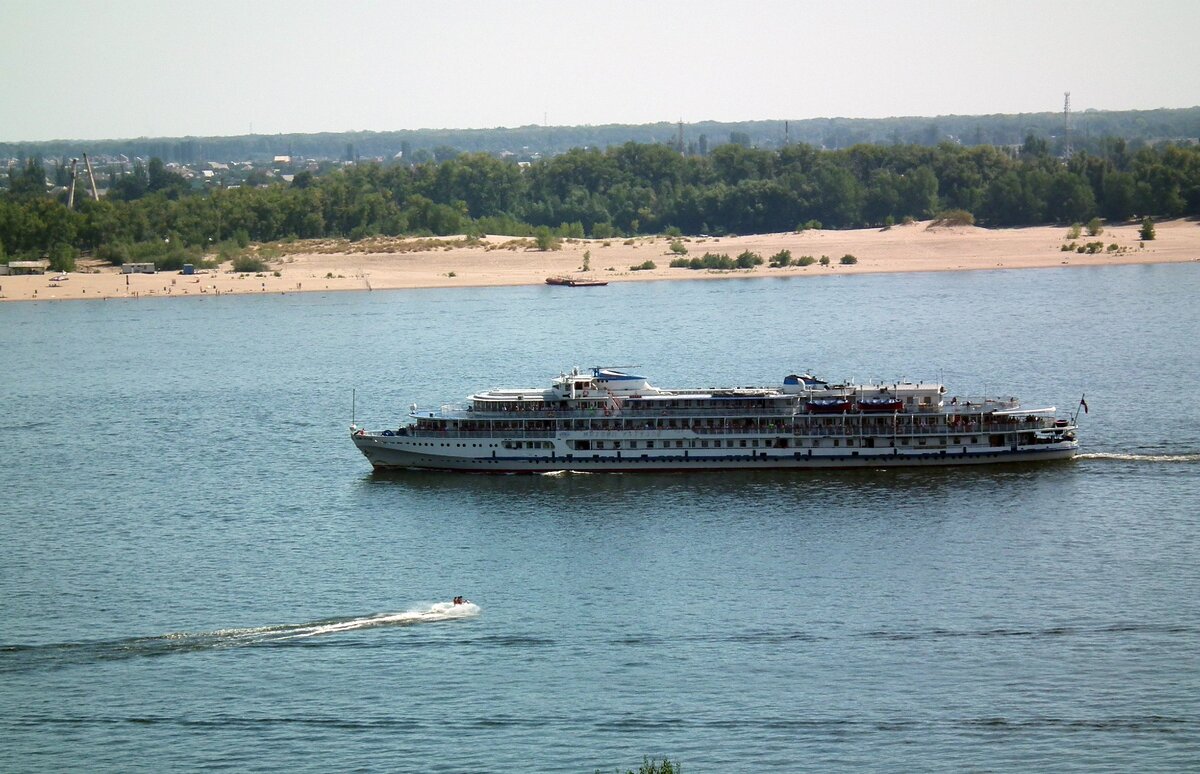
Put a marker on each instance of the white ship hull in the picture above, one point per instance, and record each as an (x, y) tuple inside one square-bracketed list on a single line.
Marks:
[(612, 421), (398, 452)]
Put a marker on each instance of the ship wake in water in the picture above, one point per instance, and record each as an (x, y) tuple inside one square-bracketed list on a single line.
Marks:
[(19, 658), (1139, 457)]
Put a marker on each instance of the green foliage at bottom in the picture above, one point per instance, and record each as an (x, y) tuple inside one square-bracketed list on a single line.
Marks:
[(650, 766)]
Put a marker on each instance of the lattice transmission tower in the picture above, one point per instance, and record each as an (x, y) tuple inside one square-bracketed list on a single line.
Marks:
[(1067, 124)]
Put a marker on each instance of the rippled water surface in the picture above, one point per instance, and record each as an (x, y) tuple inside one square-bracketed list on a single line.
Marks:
[(199, 569)]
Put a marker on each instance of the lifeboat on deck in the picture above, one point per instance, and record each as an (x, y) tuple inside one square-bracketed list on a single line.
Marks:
[(880, 404), (828, 406)]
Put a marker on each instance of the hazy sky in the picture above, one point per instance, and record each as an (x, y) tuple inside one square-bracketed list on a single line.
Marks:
[(82, 69)]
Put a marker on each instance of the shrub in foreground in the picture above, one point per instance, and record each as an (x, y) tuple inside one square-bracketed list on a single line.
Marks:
[(246, 264), (954, 218), (780, 259), (748, 260)]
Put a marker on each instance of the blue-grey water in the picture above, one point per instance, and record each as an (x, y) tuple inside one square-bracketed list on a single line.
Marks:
[(192, 551)]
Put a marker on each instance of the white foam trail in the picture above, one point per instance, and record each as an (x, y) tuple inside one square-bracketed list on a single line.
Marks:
[(439, 611), (60, 654), (1140, 457), (566, 473)]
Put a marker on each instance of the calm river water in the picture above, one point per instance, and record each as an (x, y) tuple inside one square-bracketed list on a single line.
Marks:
[(199, 570)]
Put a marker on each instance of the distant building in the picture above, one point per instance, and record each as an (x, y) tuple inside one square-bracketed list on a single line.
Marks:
[(137, 268), (27, 267), (283, 159)]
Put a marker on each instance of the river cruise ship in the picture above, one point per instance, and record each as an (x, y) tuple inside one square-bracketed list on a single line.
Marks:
[(605, 419)]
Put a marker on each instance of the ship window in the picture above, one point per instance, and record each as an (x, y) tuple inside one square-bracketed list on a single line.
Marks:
[(649, 444), (837, 442), (754, 444), (679, 444), (704, 444), (742, 443)]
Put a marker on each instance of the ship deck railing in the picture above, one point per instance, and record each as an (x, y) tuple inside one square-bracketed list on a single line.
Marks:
[(461, 412), (823, 431)]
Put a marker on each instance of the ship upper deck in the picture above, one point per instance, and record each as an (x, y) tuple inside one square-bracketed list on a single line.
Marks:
[(607, 392)]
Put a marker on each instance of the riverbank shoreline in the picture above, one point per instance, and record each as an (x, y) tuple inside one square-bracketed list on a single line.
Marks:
[(493, 261)]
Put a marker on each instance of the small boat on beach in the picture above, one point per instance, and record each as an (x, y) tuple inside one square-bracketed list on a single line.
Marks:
[(575, 282)]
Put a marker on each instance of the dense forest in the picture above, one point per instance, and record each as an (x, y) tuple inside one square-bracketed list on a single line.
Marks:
[(1087, 132), (625, 190)]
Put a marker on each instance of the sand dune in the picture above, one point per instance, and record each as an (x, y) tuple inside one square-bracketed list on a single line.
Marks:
[(497, 260)]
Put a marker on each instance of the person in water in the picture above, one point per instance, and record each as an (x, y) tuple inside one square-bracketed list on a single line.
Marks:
[(458, 600)]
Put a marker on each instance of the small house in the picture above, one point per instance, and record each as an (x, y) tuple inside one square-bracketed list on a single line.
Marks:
[(28, 267)]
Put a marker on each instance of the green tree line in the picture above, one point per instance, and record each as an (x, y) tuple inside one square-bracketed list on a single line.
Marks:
[(626, 190)]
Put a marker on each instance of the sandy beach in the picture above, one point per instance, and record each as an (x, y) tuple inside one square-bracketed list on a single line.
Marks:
[(390, 263)]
